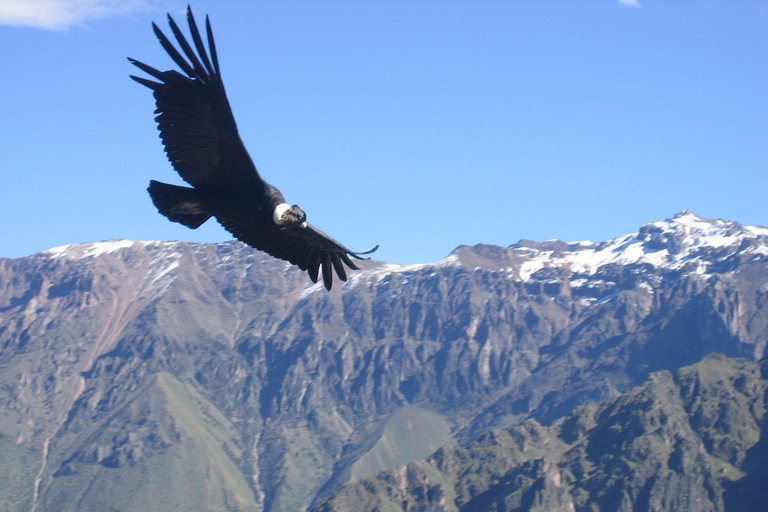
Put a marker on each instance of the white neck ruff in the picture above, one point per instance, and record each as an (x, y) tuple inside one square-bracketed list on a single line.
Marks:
[(277, 215)]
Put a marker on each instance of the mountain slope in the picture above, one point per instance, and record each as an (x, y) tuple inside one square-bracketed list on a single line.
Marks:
[(674, 443), (300, 390)]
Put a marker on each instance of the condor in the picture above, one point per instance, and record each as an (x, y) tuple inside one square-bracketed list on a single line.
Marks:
[(200, 137)]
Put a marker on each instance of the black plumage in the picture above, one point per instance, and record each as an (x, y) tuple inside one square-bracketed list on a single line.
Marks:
[(201, 140)]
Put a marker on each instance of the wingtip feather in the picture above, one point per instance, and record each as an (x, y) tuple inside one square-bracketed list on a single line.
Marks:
[(359, 254), (313, 268), (197, 67), (172, 51), (147, 83), (327, 272), (349, 262), (339, 267), (212, 45), (199, 42)]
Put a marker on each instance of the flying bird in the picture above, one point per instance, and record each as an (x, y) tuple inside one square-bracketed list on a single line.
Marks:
[(200, 137)]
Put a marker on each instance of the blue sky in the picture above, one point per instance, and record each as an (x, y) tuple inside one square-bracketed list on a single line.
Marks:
[(419, 126)]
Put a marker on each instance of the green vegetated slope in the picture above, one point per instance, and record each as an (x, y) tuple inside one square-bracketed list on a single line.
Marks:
[(188, 462), (681, 441), (17, 475), (410, 433)]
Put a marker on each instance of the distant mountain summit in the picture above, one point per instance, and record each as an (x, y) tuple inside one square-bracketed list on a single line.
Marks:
[(685, 242), (171, 375)]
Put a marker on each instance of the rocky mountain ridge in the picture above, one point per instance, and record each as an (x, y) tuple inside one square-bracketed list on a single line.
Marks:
[(678, 442), (130, 368)]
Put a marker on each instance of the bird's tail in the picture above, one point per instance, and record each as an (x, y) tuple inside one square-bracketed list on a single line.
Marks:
[(179, 204)]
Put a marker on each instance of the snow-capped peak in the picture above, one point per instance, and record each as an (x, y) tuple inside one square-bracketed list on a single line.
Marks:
[(696, 230), (687, 232), (686, 239)]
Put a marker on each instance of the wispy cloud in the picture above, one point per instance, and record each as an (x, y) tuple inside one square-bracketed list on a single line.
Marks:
[(61, 14), (630, 3)]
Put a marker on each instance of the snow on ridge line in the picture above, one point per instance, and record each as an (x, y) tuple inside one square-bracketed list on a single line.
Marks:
[(88, 249), (377, 274), (452, 260), (757, 230), (691, 234), (692, 223), (100, 248), (689, 219), (694, 234), (93, 249)]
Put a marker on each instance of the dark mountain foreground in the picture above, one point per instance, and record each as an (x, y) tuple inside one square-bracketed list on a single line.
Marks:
[(169, 376), (695, 440)]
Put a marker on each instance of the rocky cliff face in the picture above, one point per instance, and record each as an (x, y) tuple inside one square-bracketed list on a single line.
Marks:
[(211, 377)]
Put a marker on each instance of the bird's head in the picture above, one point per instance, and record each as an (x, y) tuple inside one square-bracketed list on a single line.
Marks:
[(285, 215), (300, 214)]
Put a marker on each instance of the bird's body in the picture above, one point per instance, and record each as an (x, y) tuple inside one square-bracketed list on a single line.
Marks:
[(200, 137)]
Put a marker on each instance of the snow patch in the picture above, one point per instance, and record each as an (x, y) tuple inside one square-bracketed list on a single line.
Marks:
[(96, 249), (381, 272), (647, 287), (529, 268), (757, 230), (57, 252), (99, 248), (172, 266), (311, 288), (161, 275)]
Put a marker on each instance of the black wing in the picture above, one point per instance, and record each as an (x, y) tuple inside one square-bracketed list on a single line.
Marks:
[(200, 137), (194, 118), (307, 247)]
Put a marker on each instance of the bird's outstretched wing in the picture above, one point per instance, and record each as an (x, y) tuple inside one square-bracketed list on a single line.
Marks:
[(200, 137), (194, 118), (306, 247)]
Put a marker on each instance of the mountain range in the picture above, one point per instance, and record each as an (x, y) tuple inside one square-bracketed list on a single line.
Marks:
[(179, 376)]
